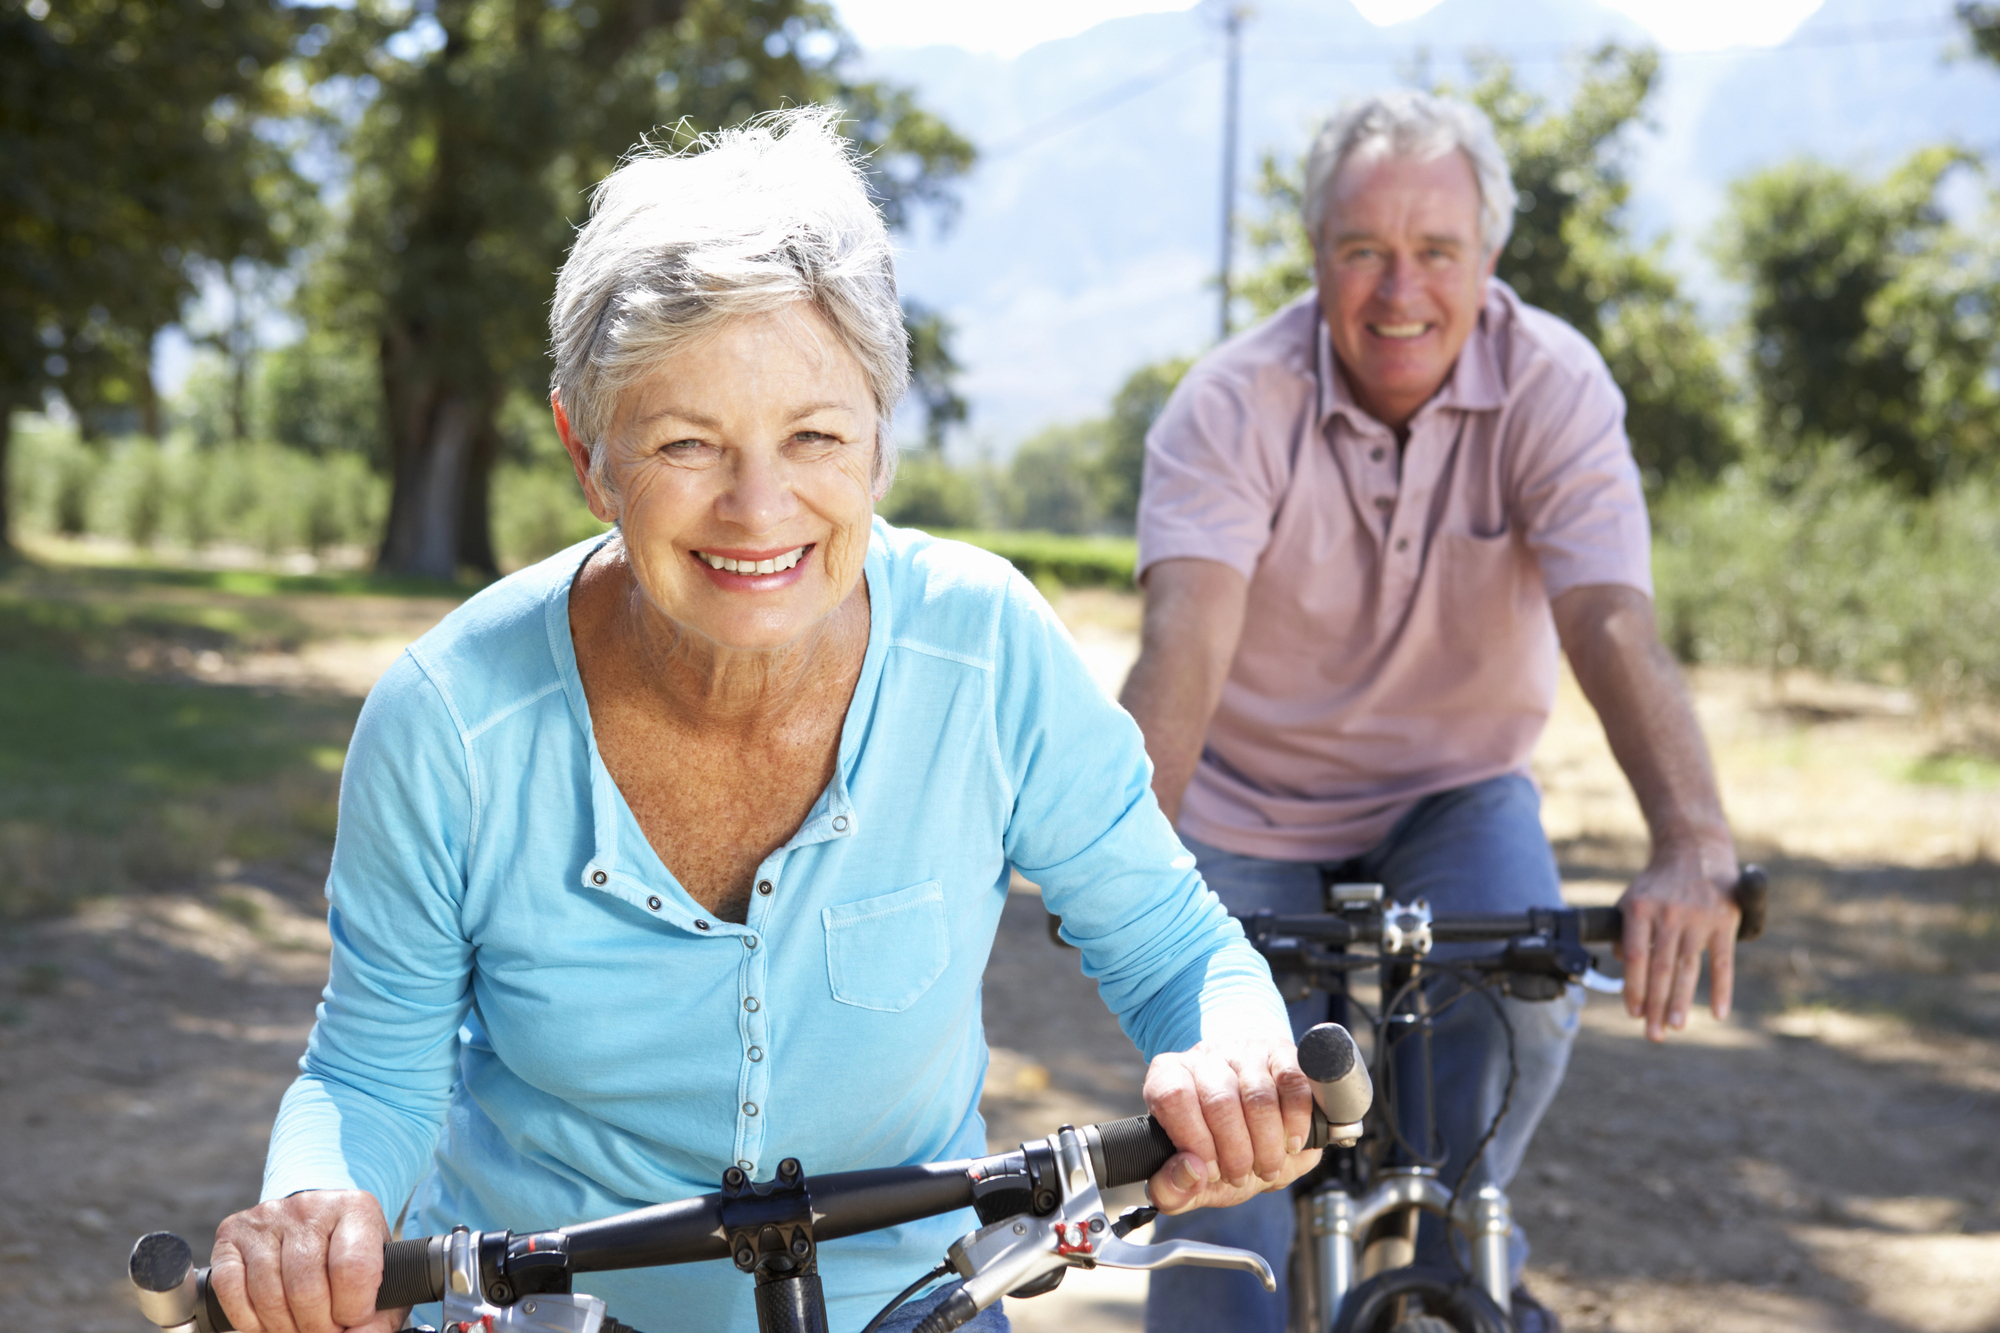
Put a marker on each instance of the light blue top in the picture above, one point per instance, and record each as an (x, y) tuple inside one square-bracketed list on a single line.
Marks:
[(531, 1024)]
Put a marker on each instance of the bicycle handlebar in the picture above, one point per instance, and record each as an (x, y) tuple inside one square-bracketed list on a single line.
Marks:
[(1594, 925), (847, 1203)]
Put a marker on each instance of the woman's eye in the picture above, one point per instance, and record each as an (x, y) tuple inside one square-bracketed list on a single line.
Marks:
[(680, 446)]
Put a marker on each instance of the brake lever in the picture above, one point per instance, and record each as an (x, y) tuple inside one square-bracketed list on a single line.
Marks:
[(1016, 1252), (1592, 979)]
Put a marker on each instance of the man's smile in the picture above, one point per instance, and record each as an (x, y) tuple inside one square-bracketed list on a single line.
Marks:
[(1400, 332)]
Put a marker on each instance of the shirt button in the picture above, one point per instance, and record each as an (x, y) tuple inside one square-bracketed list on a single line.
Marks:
[(749, 1108), (1377, 454), (749, 941), (598, 877), (756, 1054), (750, 1003), (840, 823), (1402, 543), (701, 925), (1383, 503), (763, 886), (653, 903)]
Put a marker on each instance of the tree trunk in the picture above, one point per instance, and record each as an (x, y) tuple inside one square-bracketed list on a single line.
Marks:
[(442, 441)]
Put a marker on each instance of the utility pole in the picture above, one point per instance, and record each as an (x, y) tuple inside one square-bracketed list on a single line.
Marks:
[(1232, 89)]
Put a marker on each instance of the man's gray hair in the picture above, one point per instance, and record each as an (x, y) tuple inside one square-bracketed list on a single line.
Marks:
[(742, 222), (1405, 123)]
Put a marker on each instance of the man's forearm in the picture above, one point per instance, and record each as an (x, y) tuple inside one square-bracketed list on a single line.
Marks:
[(1609, 635), (1194, 617)]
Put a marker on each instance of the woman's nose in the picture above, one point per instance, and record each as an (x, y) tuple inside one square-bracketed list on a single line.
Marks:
[(759, 496)]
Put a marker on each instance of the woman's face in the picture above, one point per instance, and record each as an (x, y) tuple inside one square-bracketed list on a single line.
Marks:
[(742, 470)]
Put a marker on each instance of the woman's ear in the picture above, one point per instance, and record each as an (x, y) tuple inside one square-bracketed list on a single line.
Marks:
[(579, 461)]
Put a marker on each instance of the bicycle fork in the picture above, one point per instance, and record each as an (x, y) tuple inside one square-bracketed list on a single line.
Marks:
[(1336, 1223)]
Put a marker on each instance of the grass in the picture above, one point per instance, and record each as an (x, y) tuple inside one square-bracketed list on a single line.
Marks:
[(1073, 562), (119, 773)]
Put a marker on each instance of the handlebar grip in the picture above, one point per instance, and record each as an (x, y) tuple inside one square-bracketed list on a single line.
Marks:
[(1133, 1150), (1753, 897), (407, 1275), (1600, 925), (1333, 1063)]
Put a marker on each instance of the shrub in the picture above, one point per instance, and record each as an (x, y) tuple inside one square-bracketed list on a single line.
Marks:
[(1836, 572), (1076, 562)]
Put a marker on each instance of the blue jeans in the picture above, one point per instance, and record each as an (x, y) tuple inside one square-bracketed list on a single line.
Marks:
[(1475, 849)]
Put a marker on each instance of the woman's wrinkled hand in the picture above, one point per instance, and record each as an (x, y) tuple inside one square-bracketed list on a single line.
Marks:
[(310, 1263), (1240, 1109)]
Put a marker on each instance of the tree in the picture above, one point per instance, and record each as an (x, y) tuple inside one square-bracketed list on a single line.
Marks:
[(1872, 320), (1121, 461), (934, 373), (1051, 480), (1982, 24), (128, 135), (470, 170), (1571, 254)]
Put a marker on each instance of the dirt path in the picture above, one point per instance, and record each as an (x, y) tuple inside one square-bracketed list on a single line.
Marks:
[(1828, 1160)]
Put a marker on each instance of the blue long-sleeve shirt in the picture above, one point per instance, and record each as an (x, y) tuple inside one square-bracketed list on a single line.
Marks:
[(530, 1023)]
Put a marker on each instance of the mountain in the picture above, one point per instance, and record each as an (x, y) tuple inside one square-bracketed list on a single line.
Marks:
[(1086, 241)]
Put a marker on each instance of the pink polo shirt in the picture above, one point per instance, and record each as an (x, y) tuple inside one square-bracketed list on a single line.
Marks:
[(1398, 639)]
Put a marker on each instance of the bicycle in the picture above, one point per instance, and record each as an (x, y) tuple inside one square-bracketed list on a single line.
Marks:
[(1039, 1206), (1357, 1213)]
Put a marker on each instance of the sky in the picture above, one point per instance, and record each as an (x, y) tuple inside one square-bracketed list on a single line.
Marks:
[(1008, 27)]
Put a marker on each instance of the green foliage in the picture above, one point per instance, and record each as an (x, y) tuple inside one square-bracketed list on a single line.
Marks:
[(1052, 481), (470, 170), (1874, 323), (1136, 406), (1982, 24), (1075, 562), (131, 143), (1838, 571), (538, 509), (1570, 254), (930, 493), (322, 394), (1277, 238), (269, 498), (934, 373)]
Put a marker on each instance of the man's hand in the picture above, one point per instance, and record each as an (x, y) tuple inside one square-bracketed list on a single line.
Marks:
[(310, 1263), (1241, 1110), (1673, 913)]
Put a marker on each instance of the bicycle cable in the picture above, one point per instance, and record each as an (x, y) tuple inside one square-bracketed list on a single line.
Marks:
[(1384, 1074), (1485, 991), (875, 1324)]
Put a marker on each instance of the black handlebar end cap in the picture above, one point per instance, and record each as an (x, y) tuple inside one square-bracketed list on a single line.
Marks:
[(1133, 1150), (1753, 898), (161, 1261), (1327, 1053)]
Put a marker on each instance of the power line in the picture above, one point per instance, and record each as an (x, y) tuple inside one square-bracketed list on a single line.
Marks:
[(1854, 34), (1050, 126)]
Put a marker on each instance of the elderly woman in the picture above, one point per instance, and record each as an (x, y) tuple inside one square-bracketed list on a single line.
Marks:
[(685, 848)]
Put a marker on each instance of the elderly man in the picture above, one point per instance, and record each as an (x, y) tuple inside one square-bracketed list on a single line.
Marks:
[(1366, 526)]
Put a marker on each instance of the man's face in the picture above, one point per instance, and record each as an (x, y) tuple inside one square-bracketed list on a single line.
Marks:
[(1402, 276)]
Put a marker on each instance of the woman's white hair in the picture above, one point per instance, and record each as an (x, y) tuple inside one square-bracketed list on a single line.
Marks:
[(742, 222), (1405, 123)]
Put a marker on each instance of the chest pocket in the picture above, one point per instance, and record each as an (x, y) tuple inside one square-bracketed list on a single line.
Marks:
[(884, 953)]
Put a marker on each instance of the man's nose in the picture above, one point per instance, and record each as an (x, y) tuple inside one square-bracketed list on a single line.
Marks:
[(1398, 282)]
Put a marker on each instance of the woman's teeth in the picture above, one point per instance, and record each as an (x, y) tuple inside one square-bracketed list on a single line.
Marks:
[(776, 565)]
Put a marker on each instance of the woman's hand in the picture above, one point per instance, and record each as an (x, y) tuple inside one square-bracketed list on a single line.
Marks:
[(310, 1263), (1241, 1109)]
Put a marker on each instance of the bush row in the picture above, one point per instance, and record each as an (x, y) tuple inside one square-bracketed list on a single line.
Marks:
[(1075, 562), (271, 498)]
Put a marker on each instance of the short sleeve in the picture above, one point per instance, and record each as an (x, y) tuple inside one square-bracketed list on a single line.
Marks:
[(1576, 491), (1212, 480)]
